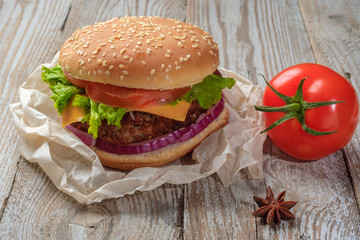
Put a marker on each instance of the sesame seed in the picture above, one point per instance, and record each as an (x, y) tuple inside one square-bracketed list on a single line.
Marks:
[(143, 62), (107, 72), (188, 56), (121, 66), (199, 53), (131, 59), (148, 78), (169, 66), (169, 51), (89, 60), (167, 70), (112, 47), (181, 59), (152, 71), (114, 55), (99, 61), (103, 54), (176, 63), (167, 55), (126, 57), (82, 63), (125, 72), (177, 67), (121, 78), (162, 66), (122, 50), (211, 52), (168, 78), (111, 67), (80, 72)]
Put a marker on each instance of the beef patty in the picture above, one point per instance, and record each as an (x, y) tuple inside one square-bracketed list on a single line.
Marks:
[(141, 126)]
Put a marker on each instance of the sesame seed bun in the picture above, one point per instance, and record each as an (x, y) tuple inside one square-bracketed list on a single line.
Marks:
[(140, 52)]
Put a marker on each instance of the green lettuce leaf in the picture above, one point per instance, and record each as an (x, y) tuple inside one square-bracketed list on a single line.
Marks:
[(62, 89), (98, 112), (208, 92)]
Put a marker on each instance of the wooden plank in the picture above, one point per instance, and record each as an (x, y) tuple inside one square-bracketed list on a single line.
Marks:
[(38, 210), (89, 12), (266, 38), (35, 209), (333, 28), (22, 47), (215, 212)]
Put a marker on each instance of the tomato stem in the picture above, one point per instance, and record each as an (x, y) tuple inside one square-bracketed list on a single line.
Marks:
[(295, 107), (292, 107)]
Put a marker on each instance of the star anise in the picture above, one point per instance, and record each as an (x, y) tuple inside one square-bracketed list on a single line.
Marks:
[(274, 210)]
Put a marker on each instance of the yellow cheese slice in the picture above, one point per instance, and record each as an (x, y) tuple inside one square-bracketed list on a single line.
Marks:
[(177, 112), (72, 114)]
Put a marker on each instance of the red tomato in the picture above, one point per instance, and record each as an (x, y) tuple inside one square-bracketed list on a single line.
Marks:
[(323, 84), (77, 82), (127, 97), (131, 97)]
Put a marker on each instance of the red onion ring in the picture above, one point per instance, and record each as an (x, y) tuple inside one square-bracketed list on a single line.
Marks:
[(157, 143)]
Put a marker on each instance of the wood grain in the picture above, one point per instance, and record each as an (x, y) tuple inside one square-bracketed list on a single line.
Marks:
[(254, 37), (22, 47), (38, 210), (35, 209), (215, 212), (335, 37), (268, 40)]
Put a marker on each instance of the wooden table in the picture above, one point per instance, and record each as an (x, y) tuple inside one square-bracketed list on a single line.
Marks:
[(254, 37)]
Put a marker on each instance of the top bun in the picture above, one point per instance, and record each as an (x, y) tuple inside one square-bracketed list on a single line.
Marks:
[(140, 52)]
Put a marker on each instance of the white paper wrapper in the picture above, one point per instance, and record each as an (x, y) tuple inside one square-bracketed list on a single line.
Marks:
[(76, 170)]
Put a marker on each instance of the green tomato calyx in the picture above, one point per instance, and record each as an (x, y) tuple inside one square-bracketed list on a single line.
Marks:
[(295, 108)]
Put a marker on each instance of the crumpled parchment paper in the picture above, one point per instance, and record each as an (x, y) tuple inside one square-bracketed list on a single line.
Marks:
[(76, 170)]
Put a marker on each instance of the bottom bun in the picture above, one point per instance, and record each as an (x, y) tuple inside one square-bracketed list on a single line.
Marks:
[(162, 156)]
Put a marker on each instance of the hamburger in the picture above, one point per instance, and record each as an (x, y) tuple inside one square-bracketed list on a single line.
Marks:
[(139, 91)]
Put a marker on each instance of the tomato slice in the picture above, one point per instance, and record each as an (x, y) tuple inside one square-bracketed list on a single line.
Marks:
[(117, 96), (77, 82)]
